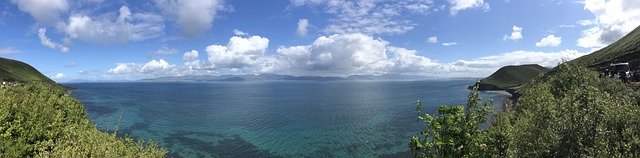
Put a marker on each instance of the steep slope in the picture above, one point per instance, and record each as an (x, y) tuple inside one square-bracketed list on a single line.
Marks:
[(626, 49), (510, 77), (13, 70)]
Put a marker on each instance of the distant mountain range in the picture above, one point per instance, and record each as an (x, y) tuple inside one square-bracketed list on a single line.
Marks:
[(276, 77)]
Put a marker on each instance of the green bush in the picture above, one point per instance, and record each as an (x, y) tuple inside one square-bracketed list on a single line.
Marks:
[(453, 132), (571, 112), (39, 120), (574, 113)]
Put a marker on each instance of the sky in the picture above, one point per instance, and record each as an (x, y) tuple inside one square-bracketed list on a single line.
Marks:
[(129, 40)]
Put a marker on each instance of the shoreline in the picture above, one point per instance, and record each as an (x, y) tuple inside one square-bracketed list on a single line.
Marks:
[(502, 92)]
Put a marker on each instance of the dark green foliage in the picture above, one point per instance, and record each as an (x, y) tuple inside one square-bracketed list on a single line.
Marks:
[(574, 113), (571, 113), (12, 70), (513, 76), (38, 120), (453, 132)]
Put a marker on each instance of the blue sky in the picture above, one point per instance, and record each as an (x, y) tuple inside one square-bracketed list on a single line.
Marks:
[(129, 40)]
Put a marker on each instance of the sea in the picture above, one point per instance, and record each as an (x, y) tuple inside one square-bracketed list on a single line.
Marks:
[(271, 118)]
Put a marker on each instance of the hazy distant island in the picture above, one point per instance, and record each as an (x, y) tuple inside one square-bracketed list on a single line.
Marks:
[(276, 77)]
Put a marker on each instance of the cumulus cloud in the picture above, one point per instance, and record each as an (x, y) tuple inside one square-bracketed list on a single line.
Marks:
[(302, 27), (515, 35), (192, 55), (458, 5), (45, 11), (549, 41), (107, 28), (88, 21), (449, 44), (151, 68), (8, 50), (432, 39), (238, 53), (368, 17), (44, 40), (123, 68), (193, 16), (155, 65), (240, 33), (59, 76), (83, 72), (613, 20), (337, 55), (166, 50)]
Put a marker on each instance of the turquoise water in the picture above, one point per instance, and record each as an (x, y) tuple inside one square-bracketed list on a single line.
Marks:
[(270, 118)]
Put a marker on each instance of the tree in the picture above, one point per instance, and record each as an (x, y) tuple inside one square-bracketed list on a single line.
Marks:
[(454, 131)]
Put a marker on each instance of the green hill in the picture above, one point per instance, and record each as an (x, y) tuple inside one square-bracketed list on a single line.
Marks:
[(626, 49), (13, 70), (511, 77)]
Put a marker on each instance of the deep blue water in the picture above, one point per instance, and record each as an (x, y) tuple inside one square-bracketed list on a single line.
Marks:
[(271, 118)]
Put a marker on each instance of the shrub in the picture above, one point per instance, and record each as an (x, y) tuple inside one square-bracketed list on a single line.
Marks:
[(453, 132), (39, 120)]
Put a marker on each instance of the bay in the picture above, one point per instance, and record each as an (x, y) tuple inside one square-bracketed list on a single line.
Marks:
[(271, 118)]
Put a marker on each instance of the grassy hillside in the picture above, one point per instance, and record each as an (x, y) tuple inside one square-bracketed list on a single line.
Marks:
[(509, 77), (13, 70), (626, 49)]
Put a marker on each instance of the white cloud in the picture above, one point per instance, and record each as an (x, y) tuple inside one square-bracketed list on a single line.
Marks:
[(549, 41), (336, 55), (546, 59), (458, 5), (368, 17), (151, 68), (586, 22), (192, 55), (613, 20), (166, 50), (449, 43), (422, 8), (123, 68), (432, 39), (240, 33), (44, 40), (106, 28), (302, 27), (155, 65), (515, 35), (193, 16), (238, 53), (59, 76), (45, 11), (8, 50), (83, 72), (566, 26)]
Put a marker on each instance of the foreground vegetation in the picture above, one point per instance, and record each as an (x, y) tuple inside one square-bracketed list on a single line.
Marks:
[(569, 113), (38, 120)]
